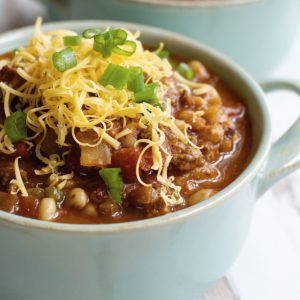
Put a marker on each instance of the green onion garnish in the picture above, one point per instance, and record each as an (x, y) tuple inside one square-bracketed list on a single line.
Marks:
[(55, 193), (131, 47), (154, 102), (103, 43), (118, 36), (167, 55), (163, 54), (115, 75), (14, 52), (185, 70), (37, 192), (110, 41), (148, 94), (72, 40), (113, 180), (90, 33), (136, 80), (64, 59), (15, 126)]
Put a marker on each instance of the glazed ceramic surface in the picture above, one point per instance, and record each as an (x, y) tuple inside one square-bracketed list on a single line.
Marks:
[(172, 257), (255, 33)]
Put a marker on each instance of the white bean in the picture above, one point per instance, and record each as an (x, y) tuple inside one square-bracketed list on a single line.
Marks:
[(76, 198), (47, 209)]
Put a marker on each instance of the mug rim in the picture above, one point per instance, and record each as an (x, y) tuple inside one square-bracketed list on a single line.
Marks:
[(182, 215), (192, 3)]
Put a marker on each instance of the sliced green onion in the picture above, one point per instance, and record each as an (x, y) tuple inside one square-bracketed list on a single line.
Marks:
[(109, 41), (90, 33), (166, 54), (130, 45), (113, 181), (72, 40), (36, 192), (172, 63), (103, 43), (119, 36), (185, 70), (14, 52), (55, 193), (148, 94), (64, 59), (136, 80), (163, 54), (15, 126), (154, 102), (115, 75)]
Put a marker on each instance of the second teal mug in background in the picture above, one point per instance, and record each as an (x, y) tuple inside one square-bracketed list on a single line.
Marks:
[(255, 33)]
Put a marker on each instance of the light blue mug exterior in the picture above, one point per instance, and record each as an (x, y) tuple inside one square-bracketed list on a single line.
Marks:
[(172, 257), (257, 34)]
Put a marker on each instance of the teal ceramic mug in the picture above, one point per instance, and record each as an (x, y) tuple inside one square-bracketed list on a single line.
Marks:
[(172, 257), (255, 33)]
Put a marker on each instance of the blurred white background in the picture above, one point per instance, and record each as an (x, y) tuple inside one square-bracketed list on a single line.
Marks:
[(16, 13)]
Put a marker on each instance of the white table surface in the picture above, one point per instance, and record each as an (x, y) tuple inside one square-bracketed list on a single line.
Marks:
[(269, 265)]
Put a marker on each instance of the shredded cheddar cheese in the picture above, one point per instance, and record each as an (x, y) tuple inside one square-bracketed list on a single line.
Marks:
[(75, 100), (6, 146), (19, 181)]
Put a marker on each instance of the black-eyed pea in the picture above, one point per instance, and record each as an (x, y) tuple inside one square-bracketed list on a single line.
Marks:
[(76, 198), (47, 209), (70, 184), (90, 210)]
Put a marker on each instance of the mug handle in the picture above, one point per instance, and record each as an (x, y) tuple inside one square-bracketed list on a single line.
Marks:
[(282, 159)]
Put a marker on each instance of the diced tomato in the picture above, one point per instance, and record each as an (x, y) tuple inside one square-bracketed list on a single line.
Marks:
[(28, 206), (21, 150), (8, 202), (126, 159), (147, 161)]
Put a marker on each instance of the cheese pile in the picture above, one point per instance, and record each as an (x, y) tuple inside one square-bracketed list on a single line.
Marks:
[(75, 100)]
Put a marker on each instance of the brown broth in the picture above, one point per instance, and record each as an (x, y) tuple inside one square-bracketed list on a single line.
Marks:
[(230, 167), (222, 172)]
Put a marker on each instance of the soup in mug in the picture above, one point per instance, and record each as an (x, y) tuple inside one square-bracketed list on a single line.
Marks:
[(98, 128)]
